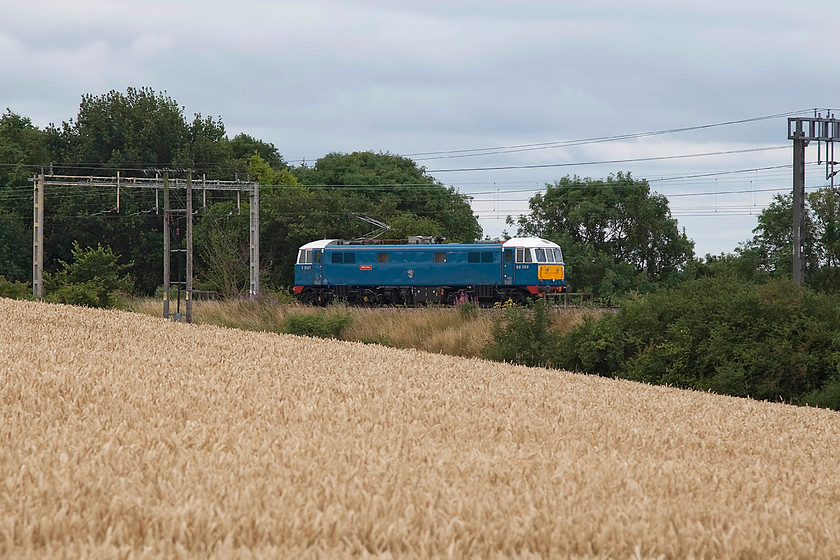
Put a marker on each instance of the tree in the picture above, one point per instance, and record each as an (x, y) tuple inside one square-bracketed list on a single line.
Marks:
[(244, 146), (137, 129), (22, 151), (407, 224), (394, 185), (130, 132), (292, 216), (824, 206), (770, 249), (206, 150), (616, 235)]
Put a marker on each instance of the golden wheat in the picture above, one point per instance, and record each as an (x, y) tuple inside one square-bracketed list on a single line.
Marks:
[(126, 436)]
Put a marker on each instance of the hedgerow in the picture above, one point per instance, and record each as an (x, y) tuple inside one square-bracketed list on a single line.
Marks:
[(775, 341)]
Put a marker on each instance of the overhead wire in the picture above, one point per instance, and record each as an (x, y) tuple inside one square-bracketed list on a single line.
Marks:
[(495, 150), (598, 139), (25, 191), (611, 162), (469, 152)]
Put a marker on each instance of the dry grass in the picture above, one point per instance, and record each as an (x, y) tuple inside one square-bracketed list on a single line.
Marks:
[(440, 330), (127, 436)]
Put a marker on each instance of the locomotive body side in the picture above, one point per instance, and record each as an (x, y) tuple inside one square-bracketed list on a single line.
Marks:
[(413, 265), (484, 272)]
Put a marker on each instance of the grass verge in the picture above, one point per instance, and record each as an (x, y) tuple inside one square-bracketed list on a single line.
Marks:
[(440, 330)]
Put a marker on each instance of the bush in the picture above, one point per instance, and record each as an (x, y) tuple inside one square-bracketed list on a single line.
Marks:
[(93, 279), (827, 397), (87, 294), (593, 347), (523, 336), (775, 341), (320, 325), (14, 290)]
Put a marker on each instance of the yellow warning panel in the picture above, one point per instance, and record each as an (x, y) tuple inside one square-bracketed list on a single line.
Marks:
[(550, 272)]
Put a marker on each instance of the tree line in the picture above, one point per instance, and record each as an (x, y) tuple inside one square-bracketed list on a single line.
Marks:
[(617, 235)]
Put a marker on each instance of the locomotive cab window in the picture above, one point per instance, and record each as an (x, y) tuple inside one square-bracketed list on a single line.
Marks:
[(305, 256), (316, 256), (440, 257), (540, 254), (508, 255), (523, 255), (383, 257)]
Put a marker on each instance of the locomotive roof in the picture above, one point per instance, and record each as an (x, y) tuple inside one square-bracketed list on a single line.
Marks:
[(528, 242), (320, 243), (513, 242)]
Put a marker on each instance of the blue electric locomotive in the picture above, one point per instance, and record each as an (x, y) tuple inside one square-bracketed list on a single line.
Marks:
[(517, 269)]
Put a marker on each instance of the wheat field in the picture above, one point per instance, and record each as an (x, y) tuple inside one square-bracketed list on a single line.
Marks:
[(124, 436)]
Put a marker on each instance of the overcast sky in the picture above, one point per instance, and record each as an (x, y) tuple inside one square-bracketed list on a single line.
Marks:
[(411, 77)]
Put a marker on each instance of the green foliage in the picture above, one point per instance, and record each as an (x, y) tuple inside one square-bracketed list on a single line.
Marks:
[(380, 339), (132, 131), (468, 310), (22, 150), (322, 325), (769, 252), (280, 296), (206, 149), (742, 265), (827, 396), (15, 246), (222, 246), (391, 186), (772, 341), (594, 347), (245, 146), (14, 290), (407, 224), (266, 174), (524, 336), (137, 129), (93, 279), (616, 234)]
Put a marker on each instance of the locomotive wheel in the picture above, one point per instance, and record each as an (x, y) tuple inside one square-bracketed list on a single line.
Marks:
[(519, 297), (368, 297)]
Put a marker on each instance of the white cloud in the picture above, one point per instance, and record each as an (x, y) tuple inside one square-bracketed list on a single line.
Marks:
[(150, 46)]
